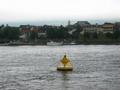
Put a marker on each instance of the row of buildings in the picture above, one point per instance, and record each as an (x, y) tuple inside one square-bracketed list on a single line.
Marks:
[(27, 29), (104, 28), (85, 26)]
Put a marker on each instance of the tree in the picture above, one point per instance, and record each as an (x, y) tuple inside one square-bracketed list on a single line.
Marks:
[(109, 35), (50, 33), (76, 34), (9, 33), (86, 36), (1, 34), (116, 34), (14, 33), (56, 33), (33, 35), (95, 35)]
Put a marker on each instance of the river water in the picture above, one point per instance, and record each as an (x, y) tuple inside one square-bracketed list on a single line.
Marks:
[(96, 67)]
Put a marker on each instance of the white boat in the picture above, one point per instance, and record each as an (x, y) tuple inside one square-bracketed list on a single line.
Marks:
[(51, 43), (72, 43)]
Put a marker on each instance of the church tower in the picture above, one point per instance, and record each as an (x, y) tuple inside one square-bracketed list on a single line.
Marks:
[(69, 23)]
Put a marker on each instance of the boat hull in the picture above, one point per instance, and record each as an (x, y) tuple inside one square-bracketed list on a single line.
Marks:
[(54, 43)]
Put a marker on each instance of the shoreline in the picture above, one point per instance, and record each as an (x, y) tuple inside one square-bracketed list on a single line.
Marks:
[(80, 43)]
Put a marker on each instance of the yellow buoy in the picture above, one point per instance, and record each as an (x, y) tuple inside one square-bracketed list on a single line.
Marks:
[(64, 64)]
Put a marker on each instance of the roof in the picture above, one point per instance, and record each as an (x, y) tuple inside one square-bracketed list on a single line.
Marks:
[(83, 23)]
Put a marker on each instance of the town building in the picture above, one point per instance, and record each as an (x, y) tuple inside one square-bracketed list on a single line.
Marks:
[(90, 29), (41, 32), (71, 31), (25, 32), (105, 28), (117, 26), (108, 27), (99, 29), (82, 23)]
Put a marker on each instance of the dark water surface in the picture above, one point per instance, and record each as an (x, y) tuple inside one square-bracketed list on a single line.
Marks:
[(96, 67)]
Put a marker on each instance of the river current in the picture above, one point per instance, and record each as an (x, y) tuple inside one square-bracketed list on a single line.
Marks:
[(95, 67)]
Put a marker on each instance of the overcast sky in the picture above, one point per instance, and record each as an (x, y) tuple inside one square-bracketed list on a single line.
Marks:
[(40, 10)]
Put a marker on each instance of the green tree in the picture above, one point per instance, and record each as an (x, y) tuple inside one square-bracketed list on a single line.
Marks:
[(33, 35), (109, 35), (1, 34), (116, 34), (95, 35), (10, 33), (86, 36), (14, 33), (56, 33)]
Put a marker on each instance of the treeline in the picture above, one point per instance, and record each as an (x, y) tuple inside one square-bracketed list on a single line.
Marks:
[(8, 33), (61, 32), (57, 32), (100, 36)]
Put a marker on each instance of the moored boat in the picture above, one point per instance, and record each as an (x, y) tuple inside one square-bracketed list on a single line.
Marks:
[(51, 43)]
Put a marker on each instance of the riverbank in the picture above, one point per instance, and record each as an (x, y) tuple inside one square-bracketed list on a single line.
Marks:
[(77, 43), (99, 42)]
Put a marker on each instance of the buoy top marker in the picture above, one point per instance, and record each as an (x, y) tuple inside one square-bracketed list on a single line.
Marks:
[(64, 60)]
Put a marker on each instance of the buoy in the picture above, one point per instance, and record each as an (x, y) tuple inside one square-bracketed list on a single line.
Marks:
[(64, 64)]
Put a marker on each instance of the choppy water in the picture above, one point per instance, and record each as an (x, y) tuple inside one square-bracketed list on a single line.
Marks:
[(96, 67)]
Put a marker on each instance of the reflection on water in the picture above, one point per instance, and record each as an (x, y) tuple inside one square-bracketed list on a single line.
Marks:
[(96, 67), (65, 79)]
